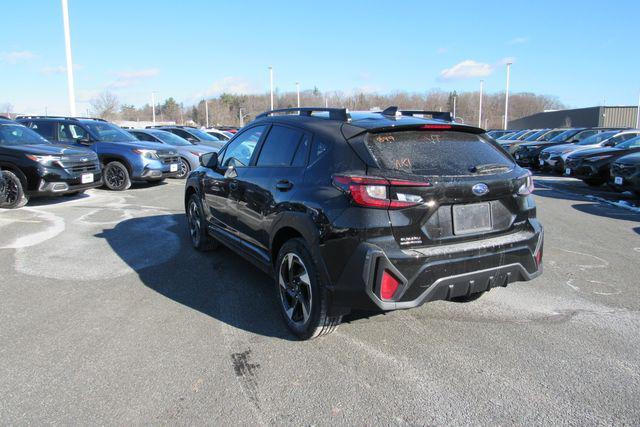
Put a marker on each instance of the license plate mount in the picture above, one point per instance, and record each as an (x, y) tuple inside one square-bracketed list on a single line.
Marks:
[(86, 178), (618, 180), (472, 218), (567, 171), (173, 168)]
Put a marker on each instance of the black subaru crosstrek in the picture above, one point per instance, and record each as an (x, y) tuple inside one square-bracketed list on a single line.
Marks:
[(369, 211), (32, 166)]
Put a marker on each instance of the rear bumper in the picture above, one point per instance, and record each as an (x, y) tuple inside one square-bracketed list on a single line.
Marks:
[(437, 273)]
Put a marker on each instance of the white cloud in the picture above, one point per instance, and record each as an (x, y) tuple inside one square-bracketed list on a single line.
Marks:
[(130, 78), (466, 70), (518, 40), (59, 69), (231, 84), (13, 58)]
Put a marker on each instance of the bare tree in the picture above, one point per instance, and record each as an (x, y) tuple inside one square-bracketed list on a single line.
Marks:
[(106, 106), (6, 108)]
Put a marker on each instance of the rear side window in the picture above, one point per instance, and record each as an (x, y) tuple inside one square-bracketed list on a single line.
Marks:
[(46, 129), (434, 153), (279, 147)]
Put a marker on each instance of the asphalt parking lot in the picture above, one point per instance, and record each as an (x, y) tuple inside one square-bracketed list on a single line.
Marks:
[(107, 316)]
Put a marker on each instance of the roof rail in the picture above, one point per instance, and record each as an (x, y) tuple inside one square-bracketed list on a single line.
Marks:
[(5, 117), (340, 114), (61, 117), (438, 115)]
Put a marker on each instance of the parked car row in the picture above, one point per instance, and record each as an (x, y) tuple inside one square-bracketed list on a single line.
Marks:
[(49, 156), (595, 155)]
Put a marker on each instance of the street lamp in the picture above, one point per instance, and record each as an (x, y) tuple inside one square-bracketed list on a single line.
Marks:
[(206, 112), (298, 91), (506, 96), (271, 84), (153, 107), (480, 106), (67, 47)]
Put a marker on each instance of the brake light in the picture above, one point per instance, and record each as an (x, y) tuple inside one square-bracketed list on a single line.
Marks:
[(435, 127), (374, 192), (388, 285)]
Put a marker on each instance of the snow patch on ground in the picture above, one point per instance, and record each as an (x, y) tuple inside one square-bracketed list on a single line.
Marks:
[(620, 203)]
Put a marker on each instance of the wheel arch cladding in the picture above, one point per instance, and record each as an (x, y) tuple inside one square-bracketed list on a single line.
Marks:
[(111, 158)]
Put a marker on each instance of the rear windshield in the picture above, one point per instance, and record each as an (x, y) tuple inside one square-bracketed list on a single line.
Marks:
[(446, 153)]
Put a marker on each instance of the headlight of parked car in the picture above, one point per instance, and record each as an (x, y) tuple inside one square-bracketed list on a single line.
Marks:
[(45, 160), (149, 154)]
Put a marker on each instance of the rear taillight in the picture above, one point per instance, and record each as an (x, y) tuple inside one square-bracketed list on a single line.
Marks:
[(374, 192), (388, 286)]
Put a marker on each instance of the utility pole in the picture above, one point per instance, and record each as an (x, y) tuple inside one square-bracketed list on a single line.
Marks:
[(480, 106), (206, 112), (153, 106), (638, 114), (67, 47), (454, 107), (271, 84), (298, 91), (506, 97), (241, 116)]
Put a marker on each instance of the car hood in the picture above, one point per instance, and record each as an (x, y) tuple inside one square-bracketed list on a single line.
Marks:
[(52, 150), (140, 144), (559, 148), (629, 159), (595, 152)]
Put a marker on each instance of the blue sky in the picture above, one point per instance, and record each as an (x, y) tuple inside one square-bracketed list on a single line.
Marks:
[(582, 52)]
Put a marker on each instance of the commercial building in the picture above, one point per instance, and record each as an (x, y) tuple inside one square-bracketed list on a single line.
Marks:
[(604, 116)]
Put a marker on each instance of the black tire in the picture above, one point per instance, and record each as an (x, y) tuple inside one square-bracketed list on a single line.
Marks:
[(183, 168), (200, 238), (594, 182), (116, 176), (306, 319), (14, 196), (468, 298)]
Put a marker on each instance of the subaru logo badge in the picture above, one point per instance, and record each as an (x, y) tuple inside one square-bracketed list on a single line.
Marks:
[(480, 189)]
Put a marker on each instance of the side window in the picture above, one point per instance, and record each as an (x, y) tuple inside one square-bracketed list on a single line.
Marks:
[(45, 129), (143, 136), (279, 147), (240, 151), (183, 134), (317, 150), (300, 158), (68, 132)]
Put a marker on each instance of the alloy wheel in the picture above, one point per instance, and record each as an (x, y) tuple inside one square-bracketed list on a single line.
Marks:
[(295, 289), (115, 177), (183, 169), (195, 227)]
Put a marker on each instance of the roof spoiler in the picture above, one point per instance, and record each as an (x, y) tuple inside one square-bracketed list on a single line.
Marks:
[(438, 115), (340, 114)]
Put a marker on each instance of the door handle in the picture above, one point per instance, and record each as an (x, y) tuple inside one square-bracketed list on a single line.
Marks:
[(284, 185)]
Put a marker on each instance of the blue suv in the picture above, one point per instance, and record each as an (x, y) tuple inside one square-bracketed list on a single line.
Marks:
[(124, 158)]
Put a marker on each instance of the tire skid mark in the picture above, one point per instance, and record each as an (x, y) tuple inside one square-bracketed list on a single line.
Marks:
[(246, 374)]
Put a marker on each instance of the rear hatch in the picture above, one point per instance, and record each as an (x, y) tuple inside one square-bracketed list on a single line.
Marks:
[(455, 185)]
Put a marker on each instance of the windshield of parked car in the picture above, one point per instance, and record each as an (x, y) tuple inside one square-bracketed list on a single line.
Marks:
[(564, 135), (170, 138), (598, 137), (11, 134), (535, 135), (632, 143), (108, 132), (203, 135), (549, 135), (511, 135)]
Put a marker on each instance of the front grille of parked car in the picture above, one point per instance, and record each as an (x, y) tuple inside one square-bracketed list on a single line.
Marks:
[(168, 157), (80, 164), (545, 156), (572, 163), (619, 169)]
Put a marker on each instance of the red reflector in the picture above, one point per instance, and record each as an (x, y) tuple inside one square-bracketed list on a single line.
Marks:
[(435, 127), (388, 286), (538, 256)]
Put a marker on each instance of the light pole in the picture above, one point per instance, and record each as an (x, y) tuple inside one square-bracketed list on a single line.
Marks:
[(298, 91), (206, 112), (480, 106), (506, 97), (67, 47), (153, 107), (454, 107), (638, 114), (271, 84)]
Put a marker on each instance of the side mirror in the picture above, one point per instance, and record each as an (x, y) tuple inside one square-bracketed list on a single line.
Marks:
[(192, 140), (85, 140), (209, 160), (609, 144)]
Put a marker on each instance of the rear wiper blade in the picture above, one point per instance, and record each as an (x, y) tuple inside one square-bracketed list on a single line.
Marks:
[(488, 167)]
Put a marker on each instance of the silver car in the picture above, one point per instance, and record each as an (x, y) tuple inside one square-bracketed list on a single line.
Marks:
[(188, 152)]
